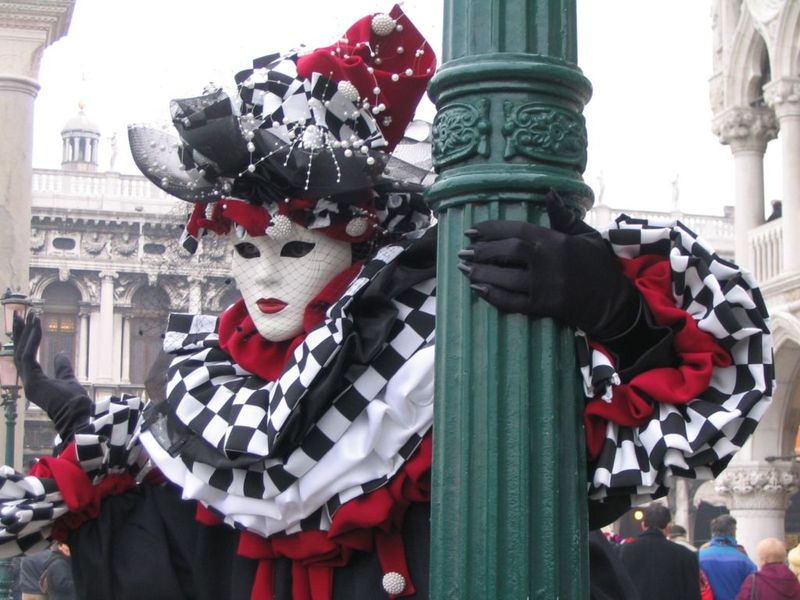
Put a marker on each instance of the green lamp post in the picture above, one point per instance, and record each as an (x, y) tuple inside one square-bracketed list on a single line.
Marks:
[(509, 486), (12, 302)]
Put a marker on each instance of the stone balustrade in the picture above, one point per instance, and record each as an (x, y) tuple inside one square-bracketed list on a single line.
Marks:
[(766, 247)]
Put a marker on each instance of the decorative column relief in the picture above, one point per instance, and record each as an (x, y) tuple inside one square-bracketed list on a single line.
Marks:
[(783, 95), (759, 499), (545, 133), (758, 487), (460, 132), (747, 130)]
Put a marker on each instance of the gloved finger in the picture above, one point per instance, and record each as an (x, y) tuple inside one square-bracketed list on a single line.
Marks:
[(508, 278), (500, 230), (563, 219), (17, 327), (28, 357), (512, 302), (508, 252), (63, 368)]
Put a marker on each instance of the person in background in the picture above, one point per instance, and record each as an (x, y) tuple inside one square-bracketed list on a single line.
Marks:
[(677, 534), (773, 580), (31, 569), (660, 568), (721, 560), (794, 560), (56, 580)]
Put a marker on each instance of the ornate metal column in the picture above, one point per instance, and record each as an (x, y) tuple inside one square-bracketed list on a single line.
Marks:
[(509, 496)]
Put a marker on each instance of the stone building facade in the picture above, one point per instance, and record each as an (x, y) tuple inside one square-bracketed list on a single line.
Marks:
[(106, 269)]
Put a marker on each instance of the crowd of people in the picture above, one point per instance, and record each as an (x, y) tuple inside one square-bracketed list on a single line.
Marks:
[(661, 563)]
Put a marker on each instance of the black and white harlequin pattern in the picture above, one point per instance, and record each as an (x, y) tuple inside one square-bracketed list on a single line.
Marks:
[(695, 440), (28, 507), (286, 103), (241, 415), (109, 442), (245, 416)]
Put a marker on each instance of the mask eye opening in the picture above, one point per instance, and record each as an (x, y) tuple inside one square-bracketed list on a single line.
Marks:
[(296, 249), (247, 250)]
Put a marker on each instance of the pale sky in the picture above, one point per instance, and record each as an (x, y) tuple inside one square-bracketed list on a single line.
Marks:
[(649, 62)]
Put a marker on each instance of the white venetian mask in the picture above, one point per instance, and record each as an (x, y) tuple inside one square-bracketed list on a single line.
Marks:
[(279, 277)]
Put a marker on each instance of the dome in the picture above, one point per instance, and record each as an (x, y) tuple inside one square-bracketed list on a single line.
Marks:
[(80, 123)]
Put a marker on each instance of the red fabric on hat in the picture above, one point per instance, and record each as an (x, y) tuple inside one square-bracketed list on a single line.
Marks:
[(81, 497), (400, 97), (255, 219), (373, 521), (239, 337), (633, 402)]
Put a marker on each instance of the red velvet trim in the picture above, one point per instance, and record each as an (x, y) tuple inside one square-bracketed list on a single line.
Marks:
[(255, 219), (373, 521), (400, 97), (633, 402), (239, 337), (81, 497)]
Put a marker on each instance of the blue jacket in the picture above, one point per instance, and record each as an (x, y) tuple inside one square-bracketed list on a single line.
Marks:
[(725, 566)]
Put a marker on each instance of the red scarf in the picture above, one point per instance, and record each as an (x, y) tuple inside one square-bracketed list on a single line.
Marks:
[(239, 337)]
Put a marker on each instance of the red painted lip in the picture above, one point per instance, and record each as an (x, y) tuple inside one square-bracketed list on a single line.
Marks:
[(271, 305)]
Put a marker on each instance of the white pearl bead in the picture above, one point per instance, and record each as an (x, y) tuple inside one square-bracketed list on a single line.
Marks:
[(348, 153), (382, 24), (399, 27), (370, 161), (409, 72), (393, 583), (376, 90), (370, 70), (395, 77), (251, 147), (378, 60), (382, 106), (400, 49), (251, 168)]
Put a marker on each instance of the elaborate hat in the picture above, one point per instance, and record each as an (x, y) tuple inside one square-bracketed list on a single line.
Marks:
[(306, 139)]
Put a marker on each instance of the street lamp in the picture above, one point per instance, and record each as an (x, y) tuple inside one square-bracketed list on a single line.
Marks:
[(13, 303)]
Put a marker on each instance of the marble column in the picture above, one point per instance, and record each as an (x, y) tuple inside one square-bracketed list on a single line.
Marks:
[(83, 345), (783, 95), (125, 375), (105, 366), (26, 29), (747, 130), (196, 294), (759, 496)]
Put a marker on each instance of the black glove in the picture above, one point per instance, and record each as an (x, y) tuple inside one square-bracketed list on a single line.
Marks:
[(568, 272), (62, 398)]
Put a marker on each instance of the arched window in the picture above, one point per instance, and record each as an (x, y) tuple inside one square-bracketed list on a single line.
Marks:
[(59, 323), (149, 320)]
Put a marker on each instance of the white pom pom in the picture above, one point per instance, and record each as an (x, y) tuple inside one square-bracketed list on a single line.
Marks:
[(356, 228), (348, 90), (393, 583), (382, 24)]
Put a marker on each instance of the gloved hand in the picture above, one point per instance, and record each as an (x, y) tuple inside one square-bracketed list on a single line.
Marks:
[(62, 398), (568, 272)]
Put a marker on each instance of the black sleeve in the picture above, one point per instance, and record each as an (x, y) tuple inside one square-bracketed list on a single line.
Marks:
[(607, 576)]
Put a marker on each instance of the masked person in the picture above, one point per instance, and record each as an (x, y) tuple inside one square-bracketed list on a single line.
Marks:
[(285, 449)]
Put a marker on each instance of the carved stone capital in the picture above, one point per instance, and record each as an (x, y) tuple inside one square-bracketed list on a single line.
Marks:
[(783, 95), (746, 128), (758, 487), (30, 26)]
